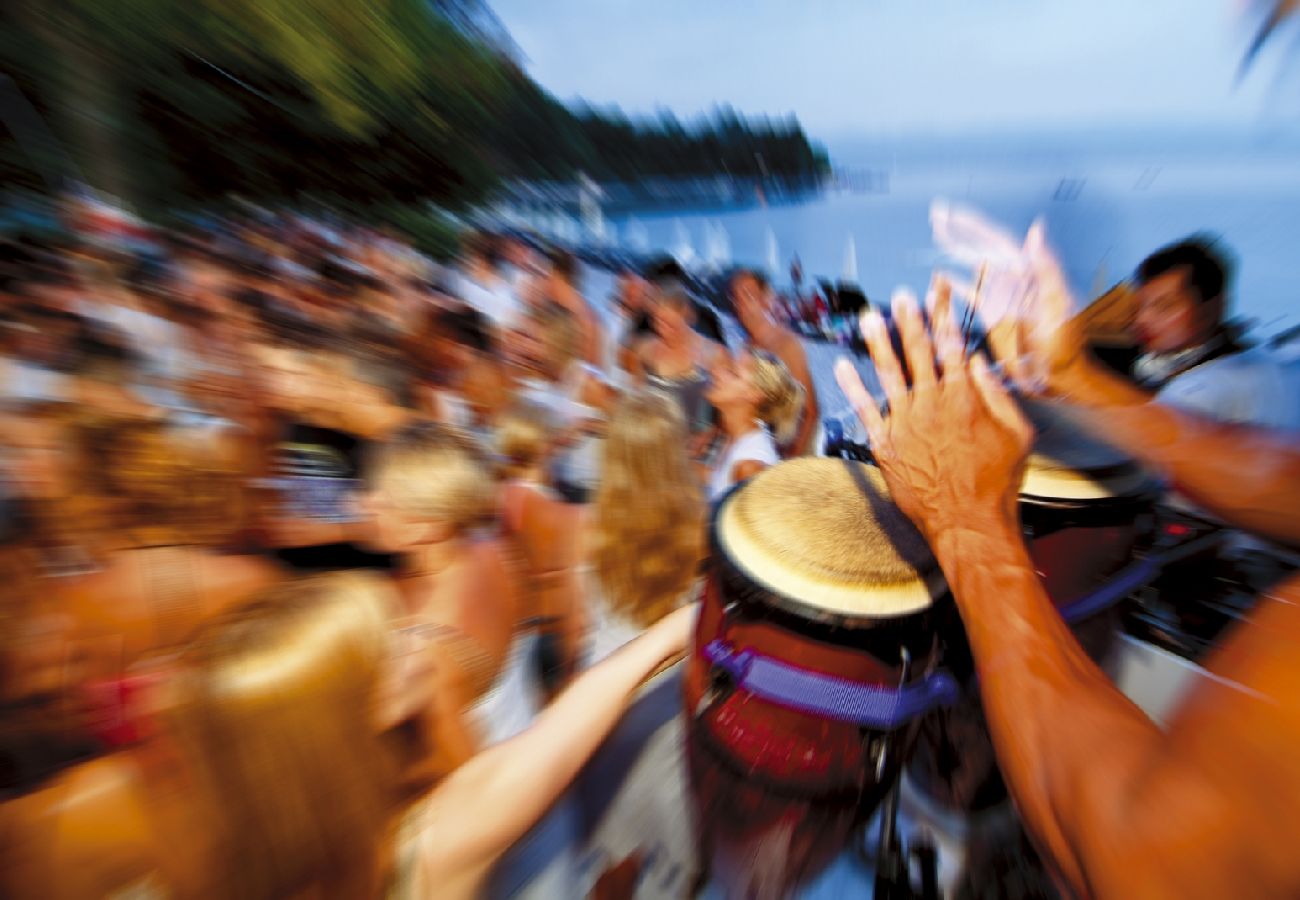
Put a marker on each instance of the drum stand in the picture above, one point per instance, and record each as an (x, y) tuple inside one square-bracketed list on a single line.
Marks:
[(893, 861)]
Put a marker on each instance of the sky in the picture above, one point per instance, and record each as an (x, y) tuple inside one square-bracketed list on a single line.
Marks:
[(848, 68)]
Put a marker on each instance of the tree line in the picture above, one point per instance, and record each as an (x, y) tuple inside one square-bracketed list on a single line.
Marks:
[(378, 108)]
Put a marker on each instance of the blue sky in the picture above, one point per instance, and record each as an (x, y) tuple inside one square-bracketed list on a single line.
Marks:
[(852, 67)]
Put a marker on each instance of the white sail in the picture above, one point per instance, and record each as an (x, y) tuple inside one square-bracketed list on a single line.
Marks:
[(635, 236), (682, 250), (773, 257), (724, 246), (850, 273)]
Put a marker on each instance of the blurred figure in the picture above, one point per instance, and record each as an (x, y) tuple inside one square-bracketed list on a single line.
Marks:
[(630, 323), (677, 360), (168, 506), (758, 402), (1190, 355), (484, 285), (547, 532), (756, 307), (646, 531), (433, 500), (561, 288), (577, 397), (296, 775)]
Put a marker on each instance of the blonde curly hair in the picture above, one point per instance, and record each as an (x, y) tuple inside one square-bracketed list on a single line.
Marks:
[(782, 397), (648, 524), (436, 472)]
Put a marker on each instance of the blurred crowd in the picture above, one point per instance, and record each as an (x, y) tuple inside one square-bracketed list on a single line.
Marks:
[(262, 470)]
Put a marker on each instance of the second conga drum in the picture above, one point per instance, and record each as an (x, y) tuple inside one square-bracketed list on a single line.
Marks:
[(1084, 508), (814, 656)]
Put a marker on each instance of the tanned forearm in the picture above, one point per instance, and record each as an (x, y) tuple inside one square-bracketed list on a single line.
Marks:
[(1249, 477), (1068, 742), (492, 800)]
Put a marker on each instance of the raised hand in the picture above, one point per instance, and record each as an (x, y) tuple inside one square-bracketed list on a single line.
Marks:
[(1021, 296), (953, 446)]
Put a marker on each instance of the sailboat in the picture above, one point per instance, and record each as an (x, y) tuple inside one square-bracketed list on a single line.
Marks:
[(849, 274), (773, 257), (717, 246), (635, 236), (682, 250)]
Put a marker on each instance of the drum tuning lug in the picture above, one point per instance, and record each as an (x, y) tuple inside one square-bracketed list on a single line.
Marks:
[(881, 751)]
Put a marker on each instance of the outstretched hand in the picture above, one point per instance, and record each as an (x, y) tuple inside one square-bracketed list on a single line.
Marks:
[(1021, 295), (953, 446)]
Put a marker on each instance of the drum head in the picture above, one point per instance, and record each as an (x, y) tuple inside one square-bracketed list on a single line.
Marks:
[(1069, 465), (825, 539)]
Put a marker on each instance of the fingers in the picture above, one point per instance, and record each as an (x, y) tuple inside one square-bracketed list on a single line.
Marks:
[(917, 348), (969, 238), (998, 401), (948, 339), (861, 400), (1004, 339), (888, 372)]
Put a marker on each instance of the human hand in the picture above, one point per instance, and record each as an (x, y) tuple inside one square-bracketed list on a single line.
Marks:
[(1022, 297), (953, 446)]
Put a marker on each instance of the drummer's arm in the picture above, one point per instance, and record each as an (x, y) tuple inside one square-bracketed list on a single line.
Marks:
[(1248, 476), (1122, 808)]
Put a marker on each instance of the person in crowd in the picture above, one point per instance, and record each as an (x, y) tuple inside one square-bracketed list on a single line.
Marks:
[(645, 535), (547, 531), (630, 322), (284, 742), (432, 499), (483, 284), (561, 288), (1120, 806), (758, 403), (577, 396), (1191, 356), (755, 306), (168, 504), (677, 359)]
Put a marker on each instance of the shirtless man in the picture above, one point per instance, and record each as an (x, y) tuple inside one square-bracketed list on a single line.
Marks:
[(752, 297), (1205, 808)]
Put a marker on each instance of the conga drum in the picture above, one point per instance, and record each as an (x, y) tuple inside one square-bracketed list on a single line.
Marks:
[(814, 657), (1084, 508)]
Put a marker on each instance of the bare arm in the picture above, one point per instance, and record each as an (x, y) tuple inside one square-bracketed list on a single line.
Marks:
[(492, 800), (797, 362), (1121, 808), (1247, 476)]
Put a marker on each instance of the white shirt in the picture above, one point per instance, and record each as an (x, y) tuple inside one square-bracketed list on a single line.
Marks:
[(755, 445), (496, 301), (1256, 387)]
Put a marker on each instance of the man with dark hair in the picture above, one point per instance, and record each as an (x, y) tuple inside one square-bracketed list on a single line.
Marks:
[(1181, 301), (1190, 357), (751, 295)]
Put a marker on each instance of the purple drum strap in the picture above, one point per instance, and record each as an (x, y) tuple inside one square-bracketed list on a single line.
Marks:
[(1132, 577), (828, 696)]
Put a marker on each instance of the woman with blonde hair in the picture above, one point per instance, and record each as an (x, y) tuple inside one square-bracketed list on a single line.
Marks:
[(432, 500), (646, 534), (169, 504), (758, 402), (547, 532), (287, 734)]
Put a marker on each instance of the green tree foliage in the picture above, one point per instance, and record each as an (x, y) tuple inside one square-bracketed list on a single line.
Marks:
[(377, 106)]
